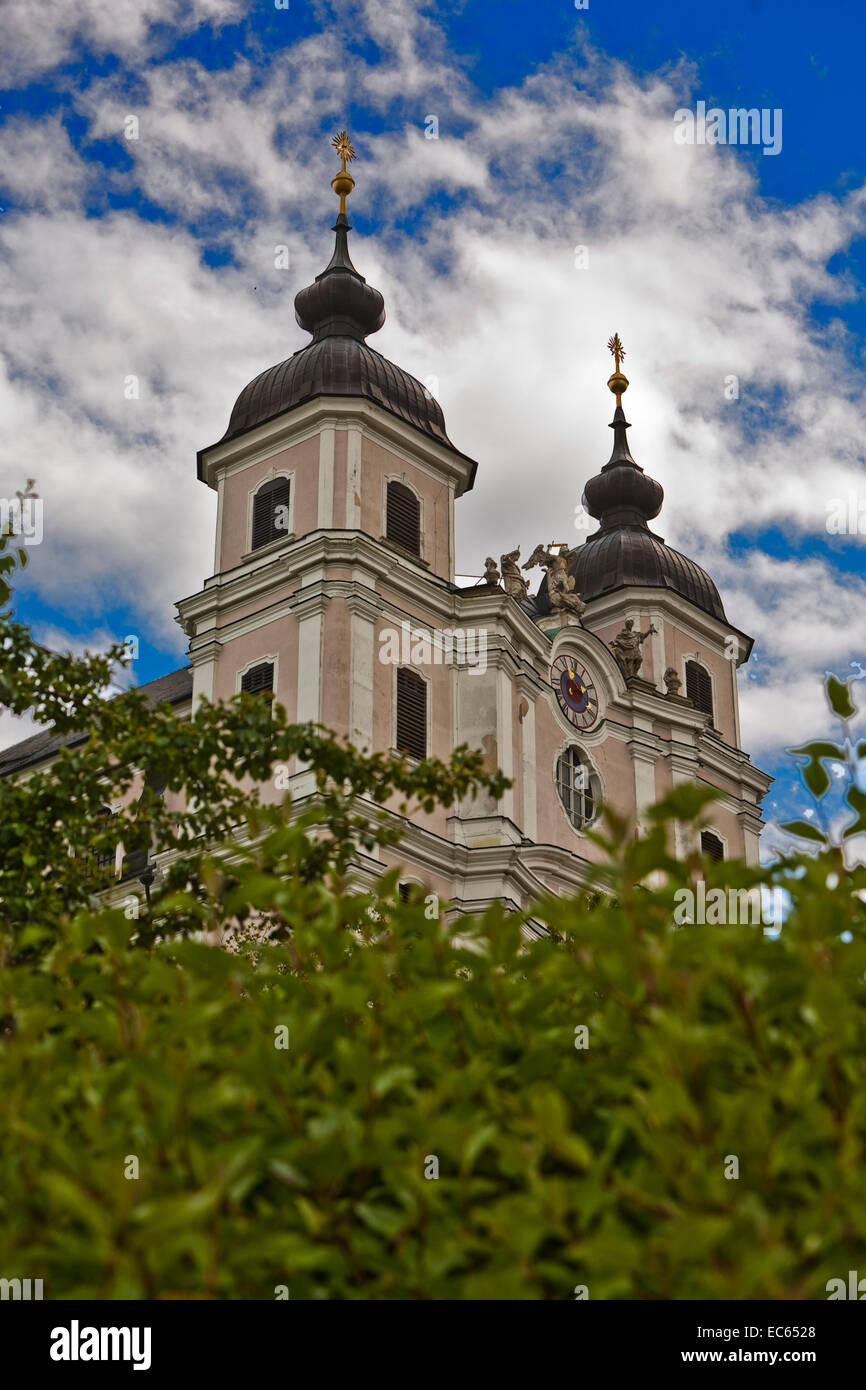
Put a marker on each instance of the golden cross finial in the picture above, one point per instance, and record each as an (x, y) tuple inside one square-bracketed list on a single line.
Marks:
[(343, 183), (617, 383), (344, 147), (616, 347)]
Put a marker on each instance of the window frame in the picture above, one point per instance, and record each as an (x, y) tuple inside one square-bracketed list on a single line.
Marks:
[(720, 841), (428, 705), (272, 477), (695, 661), (594, 786), (266, 659), (402, 481)]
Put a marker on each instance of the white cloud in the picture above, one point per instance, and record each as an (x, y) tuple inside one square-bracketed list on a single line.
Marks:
[(35, 41)]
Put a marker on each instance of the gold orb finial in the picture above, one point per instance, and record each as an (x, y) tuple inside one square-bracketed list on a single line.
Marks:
[(343, 183), (618, 383)]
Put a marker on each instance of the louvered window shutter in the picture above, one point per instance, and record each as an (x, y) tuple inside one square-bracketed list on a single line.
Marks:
[(699, 687), (403, 519), (270, 512), (411, 713), (712, 846), (258, 679)]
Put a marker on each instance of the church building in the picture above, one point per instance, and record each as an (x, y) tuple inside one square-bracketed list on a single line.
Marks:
[(335, 589)]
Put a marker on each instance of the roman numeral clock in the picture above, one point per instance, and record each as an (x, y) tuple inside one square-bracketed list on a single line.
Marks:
[(575, 691)]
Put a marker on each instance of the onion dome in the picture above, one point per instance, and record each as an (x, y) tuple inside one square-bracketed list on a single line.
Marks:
[(340, 303), (340, 310), (624, 556), (624, 551)]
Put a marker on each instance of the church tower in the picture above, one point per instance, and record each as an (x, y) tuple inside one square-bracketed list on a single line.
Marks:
[(334, 587)]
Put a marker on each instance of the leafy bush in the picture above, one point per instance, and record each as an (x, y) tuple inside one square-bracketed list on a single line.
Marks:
[(439, 1125)]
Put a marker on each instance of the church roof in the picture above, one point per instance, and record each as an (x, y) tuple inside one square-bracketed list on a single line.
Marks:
[(337, 365), (171, 689), (631, 556)]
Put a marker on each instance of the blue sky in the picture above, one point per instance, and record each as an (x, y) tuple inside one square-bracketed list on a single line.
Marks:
[(154, 257)]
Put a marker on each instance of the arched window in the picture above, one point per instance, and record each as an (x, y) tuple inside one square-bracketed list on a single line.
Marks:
[(712, 846), (411, 713), (403, 518), (270, 512), (574, 783), (699, 687), (259, 679)]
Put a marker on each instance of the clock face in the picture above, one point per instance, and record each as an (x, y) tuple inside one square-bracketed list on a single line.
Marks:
[(575, 691)]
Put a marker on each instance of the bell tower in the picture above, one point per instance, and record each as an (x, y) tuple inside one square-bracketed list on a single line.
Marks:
[(663, 617), (336, 483)]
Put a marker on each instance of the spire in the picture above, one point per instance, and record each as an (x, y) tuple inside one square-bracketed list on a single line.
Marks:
[(343, 183), (621, 494), (340, 303), (618, 384)]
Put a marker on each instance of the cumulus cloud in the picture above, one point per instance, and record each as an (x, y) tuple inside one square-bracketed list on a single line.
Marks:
[(34, 42), (473, 243)]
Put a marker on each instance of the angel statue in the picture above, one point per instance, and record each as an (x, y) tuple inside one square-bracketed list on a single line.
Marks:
[(515, 585), (564, 602), (626, 647), (491, 573)]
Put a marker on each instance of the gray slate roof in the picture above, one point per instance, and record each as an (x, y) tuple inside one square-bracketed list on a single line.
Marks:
[(170, 689)]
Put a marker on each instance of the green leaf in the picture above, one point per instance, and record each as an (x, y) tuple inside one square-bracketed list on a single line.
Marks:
[(814, 774), (476, 1144), (819, 749), (398, 1075), (857, 801), (839, 695), (805, 831), (385, 1221)]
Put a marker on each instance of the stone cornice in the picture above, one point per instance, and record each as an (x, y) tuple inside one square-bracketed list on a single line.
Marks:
[(352, 549), (304, 421), (694, 622)]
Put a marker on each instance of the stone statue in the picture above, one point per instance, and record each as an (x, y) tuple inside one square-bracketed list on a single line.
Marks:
[(673, 684), (626, 647), (491, 573), (515, 585), (564, 602)]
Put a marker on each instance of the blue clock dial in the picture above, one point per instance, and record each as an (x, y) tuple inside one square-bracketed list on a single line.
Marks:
[(575, 691)]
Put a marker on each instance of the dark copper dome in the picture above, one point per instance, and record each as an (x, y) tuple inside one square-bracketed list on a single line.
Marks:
[(340, 309), (338, 366), (623, 498), (633, 555), (624, 551)]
